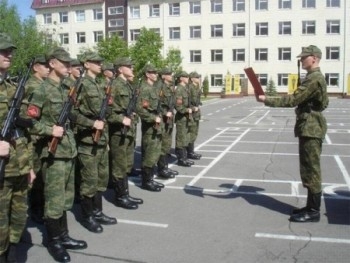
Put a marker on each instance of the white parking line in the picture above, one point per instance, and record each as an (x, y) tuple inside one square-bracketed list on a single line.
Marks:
[(304, 238), (343, 170), (142, 223)]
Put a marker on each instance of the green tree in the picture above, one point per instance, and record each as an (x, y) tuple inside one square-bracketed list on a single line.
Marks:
[(173, 60), (112, 48), (271, 88), (205, 86)]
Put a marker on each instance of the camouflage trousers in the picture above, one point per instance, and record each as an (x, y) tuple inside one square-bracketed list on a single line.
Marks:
[(151, 147), (122, 155), (167, 138), (94, 170), (13, 210), (182, 133), (310, 150), (193, 131), (58, 176)]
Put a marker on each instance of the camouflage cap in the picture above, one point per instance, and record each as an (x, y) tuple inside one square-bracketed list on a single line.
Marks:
[(90, 56), (182, 74), (194, 74), (6, 42), (123, 61), (165, 71), (75, 62), (149, 68), (310, 51), (41, 59), (107, 66), (60, 54)]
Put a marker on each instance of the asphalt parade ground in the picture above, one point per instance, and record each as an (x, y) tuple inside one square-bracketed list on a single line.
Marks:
[(233, 205)]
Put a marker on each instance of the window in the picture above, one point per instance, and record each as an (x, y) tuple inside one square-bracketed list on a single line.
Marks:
[(156, 30), (216, 55), (261, 5), (285, 53), (195, 32), (282, 79), (333, 27), (333, 3), (285, 4), (216, 80), (332, 53), (309, 4), (154, 10), (332, 79), (238, 54), (262, 79), (261, 29), (285, 28), (81, 38), (261, 54), (64, 39), (309, 27), (134, 34), (216, 30), (195, 56), (118, 33), (98, 14), (239, 30), (98, 36), (174, 32), (238, 5), (115, 10), (80, 15), (135, 11), (174, 9), (216, 6), (47, 18), (195, 7), (116, 22), (63, 17), (45, 1)]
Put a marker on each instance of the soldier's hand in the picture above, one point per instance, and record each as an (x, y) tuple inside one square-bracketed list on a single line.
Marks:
[(169, 114), (57, 131), (262, 98), (195, 109), (189, 110), (31, 177), (4, 148), (98, 125), (158, 119), (126, 121)]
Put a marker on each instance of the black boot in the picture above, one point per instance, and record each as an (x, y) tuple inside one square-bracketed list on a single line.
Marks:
[(191, 154), (147, 180), (3, 258), (67, 241), (135, 200), (181, 159), (121, 196), (11, 253), (88, 220), (99, 216), (54, 245), (133, 173), (163, 171), (311, 213), (37, 205), (308, 204)]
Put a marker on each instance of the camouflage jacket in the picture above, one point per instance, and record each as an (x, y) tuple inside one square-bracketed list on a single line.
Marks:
[(195, 93), (311, 99), (167, 97)]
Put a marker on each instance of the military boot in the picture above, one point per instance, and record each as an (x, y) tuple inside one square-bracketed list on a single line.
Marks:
[(310, 213), (36, 197), (308, 204), (147, 180), (191, 154), (121, 196), (11, 253), (181, 159), (67, 241), (99, 216), (135, 200), (54, 244), (163, 171), (3, 258), (88, 220)]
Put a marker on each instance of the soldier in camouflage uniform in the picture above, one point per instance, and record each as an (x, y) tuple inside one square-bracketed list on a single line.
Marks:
[(195, 93), (183, 119), (151, 127), (311, 99), (45, 106), (18, 165), (122, 133), (167, 97), (92, 153)]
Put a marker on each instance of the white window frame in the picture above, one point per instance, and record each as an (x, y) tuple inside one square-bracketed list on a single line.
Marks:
[(64, 38), (63, 17), (81, 37), (98, 36), (217, 55), (238, 29), (195, 7), (333, 27), (263, 78), (308, 3), (333, 53), (135, 12), (284, 4), (115, 10), (174, 9), (238, 55), (195, 32), (216, 80), (282, 79), (119, 33), (116, 22), (80, 15), (217, 31), (284, 53), (262, 29), (216, 6), (174, 33), (261, 54), (134, 34), (154, 10), (261, 5), (333, 3), (332, 79), (238, 5), (98, 14), (47, 18), (195, 56), (309, 27), (285, 28)]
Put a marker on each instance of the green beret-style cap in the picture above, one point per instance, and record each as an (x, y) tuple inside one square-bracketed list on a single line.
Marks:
[(6, 42), (149, 68), (182, 74), (194, 74), (123, 61), (107, 66), (41, 59), (90, 56), (310, 51), (165, 71), (60, 54), (75, 62)]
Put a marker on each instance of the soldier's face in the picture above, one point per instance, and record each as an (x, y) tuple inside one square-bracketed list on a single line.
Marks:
[(94, 66), (75, 71), (61, 68), (41, 69), (308, 62), (5, 58), (127, 71)]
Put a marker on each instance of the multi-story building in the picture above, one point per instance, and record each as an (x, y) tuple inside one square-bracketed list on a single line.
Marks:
[(220, 36)]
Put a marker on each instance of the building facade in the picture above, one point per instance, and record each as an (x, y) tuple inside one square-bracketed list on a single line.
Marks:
[(217, 37)]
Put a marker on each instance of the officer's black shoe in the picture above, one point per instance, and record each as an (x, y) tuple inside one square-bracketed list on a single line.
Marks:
[(173, 171), (305, 216), (133, 173), (183, 162), (135, 200), (11, 253), (103, 219), (299, 210), (57, 250), (165, 174), (190, 162), (124, 202), (150, 186), (37, 217), (194, 156), (71, 243), (158, 184), (90, 224)]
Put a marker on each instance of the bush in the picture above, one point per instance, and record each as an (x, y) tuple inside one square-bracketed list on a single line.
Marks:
[(271, 88)]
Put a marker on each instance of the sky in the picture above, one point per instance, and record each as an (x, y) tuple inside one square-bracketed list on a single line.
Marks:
[(23, 7)]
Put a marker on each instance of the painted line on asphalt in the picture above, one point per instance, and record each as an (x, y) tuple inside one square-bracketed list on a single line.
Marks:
[(259, 120), (303, 238), (142, 223), (343, 170), (328, 140)]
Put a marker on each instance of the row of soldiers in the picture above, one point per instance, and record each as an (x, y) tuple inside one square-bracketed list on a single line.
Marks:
[(98, 136)]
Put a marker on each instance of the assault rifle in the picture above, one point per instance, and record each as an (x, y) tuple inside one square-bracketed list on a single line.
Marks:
[(66, 110), (131, 106), (103, 110), (189, 117), (12, 120), (299, 81)]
